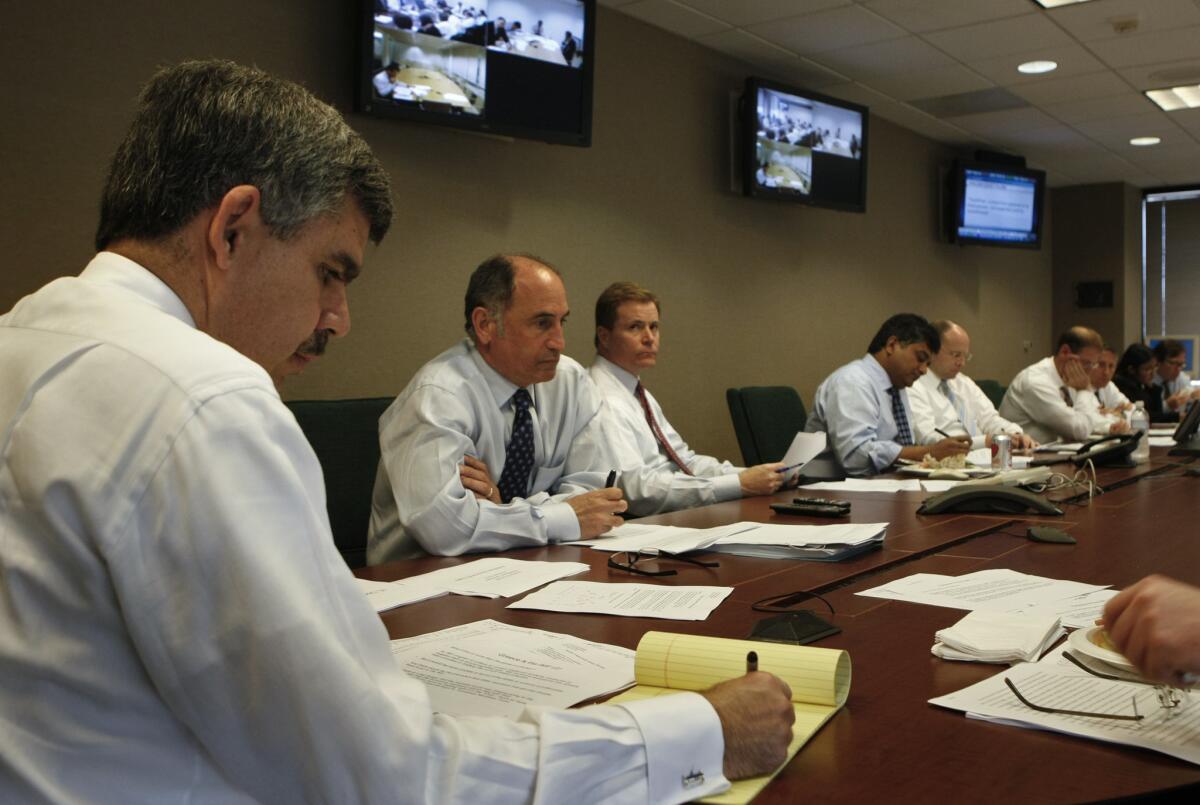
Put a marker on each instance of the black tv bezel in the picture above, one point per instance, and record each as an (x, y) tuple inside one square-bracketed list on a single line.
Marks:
[(958, 176), (365, 101), (749, 127)]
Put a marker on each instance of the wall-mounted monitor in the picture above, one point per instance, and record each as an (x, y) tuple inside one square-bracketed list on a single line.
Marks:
[(519, 68), (995, 204), (805, 147)]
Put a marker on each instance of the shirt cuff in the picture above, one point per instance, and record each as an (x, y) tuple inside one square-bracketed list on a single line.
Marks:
[(685, 748), (562, 525), (979, 440), (727, 487), (884, 454)]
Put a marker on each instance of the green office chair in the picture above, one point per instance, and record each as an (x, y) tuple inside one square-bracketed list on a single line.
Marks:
[(993, 390), (345, 436), (765, 420)]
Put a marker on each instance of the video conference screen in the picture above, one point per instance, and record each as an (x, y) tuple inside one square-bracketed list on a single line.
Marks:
[(807, 147), (998, 206), (518, 67)]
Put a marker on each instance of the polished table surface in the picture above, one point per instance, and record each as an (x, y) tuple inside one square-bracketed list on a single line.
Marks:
[(888, 743)]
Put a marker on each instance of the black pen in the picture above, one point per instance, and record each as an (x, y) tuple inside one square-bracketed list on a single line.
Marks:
[(612, 478), (939, 430), (751, 662)]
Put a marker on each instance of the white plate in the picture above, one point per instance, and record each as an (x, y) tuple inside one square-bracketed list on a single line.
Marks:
[(1081, 641)]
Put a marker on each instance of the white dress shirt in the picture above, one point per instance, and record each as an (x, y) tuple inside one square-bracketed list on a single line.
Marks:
[(652, 482), (384, 85), (1110, 396), (176, 624), (968, 412), (1181, 383), (1047, 408), (853, 407), (456, 406)]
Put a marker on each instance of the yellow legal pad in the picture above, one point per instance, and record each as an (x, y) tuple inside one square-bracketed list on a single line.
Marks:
[(819, 679)]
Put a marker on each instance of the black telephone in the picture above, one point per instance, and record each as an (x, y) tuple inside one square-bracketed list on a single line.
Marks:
[(987, 498), (1108, 450)]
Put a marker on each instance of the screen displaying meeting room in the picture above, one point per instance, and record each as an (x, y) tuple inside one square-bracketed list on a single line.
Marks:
[(753, 293)]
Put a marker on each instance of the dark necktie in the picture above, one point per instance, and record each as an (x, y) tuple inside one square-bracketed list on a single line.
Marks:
[(903, 431), (640, 393), (1066, 395), (518, 455)]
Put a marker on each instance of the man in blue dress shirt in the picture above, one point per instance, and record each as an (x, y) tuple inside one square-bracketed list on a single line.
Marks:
[(863, 406)]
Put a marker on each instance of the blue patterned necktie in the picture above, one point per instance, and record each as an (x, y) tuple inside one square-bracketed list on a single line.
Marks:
[(959, 408), (518, 455), (903, 431)]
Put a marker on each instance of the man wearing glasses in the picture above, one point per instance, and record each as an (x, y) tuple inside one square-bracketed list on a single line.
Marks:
[(946, 401), (1175, 384), (1053, 398)]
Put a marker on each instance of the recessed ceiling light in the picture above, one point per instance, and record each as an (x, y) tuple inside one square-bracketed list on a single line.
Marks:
[(1035, 67), (1145, 141), (1176, 97), (1057, 3)]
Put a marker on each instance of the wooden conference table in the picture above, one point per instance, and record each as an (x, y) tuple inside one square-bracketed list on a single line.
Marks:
[(888, 744)]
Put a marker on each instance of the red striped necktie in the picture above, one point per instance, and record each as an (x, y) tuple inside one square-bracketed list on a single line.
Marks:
[(640, 393)]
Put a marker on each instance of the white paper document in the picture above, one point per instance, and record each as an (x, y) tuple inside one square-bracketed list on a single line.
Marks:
[(651, 539), (1077, 612), (1061, 688), (491, 577), (805, 447), (1162, 441), (998, 590), (868, 485), (385, 595), (805, 536), (488, 668), (629, 599)]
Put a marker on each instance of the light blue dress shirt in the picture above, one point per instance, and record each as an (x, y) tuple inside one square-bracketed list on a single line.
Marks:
[(854, 408), (456, 406)]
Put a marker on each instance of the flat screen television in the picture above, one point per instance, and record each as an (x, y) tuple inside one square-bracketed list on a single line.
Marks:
[(519, 68), (996, 204), (805, 147)]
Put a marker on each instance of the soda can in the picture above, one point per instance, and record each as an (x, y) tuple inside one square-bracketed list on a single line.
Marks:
[(1001, 452)]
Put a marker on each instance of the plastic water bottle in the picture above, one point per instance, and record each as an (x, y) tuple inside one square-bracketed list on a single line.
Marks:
[(1139, 422)]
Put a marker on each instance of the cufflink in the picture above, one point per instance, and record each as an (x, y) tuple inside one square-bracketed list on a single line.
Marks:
[(693, 779)]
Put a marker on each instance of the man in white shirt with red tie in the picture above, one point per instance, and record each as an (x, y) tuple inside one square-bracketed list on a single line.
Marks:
[(659, 472), (945, 401)]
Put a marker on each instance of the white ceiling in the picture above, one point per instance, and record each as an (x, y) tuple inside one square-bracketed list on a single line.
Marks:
[(895, 56)]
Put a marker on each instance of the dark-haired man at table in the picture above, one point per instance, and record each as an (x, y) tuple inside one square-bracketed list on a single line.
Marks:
[(863, 406), (659, 472), (495, 443)]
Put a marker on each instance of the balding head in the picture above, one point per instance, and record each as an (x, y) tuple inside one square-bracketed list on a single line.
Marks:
[(955, 350), (516, 308)]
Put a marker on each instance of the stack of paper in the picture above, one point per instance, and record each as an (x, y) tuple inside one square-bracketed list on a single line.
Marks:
[(492, 577), (999, 590), (983, 636), (783, 541)]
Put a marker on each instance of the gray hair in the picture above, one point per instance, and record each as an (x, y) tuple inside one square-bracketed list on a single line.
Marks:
[(491, 288), (203, 127)]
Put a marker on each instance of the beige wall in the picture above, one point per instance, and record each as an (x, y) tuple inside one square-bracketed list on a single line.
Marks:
[(1097, 237), (754, 292)]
